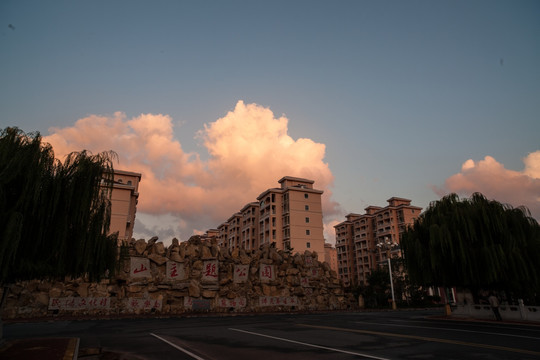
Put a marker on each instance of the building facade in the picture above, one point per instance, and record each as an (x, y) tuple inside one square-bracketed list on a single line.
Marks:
[(289, 216), (365, 241), (330, 256), (124, 198)]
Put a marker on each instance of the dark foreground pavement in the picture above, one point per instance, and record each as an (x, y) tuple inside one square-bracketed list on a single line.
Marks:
[(385, 335), (40, 349)]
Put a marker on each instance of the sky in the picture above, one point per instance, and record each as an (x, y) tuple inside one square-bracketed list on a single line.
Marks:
[(215, 101)]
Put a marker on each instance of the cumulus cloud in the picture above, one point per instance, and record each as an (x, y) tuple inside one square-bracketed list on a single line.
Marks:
[(491, 178), (249, 149)]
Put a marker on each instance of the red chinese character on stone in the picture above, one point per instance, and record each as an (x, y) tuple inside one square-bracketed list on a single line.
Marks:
[(210, 270), (174, 270), (267, 272), (241, 271), (103, 302), (147, 304)]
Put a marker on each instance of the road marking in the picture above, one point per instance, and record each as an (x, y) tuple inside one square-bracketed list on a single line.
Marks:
[(177, 347), (72, 350), (448, 329), (310, 345), (424, 338)]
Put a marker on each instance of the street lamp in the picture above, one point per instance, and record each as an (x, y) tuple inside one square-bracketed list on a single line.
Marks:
[(387, 245)]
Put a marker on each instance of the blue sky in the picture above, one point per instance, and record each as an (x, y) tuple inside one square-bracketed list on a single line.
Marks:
[(401, 93)]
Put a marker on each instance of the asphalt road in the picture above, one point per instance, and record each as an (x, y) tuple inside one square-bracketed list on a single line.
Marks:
[(356, 335)]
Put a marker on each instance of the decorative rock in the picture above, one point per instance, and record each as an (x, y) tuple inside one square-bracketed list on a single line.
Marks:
[(152, 241), (158, 248), (140, 247), (313, 283), (194, 290), (208, 294), (206, 253), (82, 290), (158, 259), (175, 256)]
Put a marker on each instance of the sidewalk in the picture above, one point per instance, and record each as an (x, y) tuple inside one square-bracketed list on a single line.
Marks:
[(464, 318), (40, 349)]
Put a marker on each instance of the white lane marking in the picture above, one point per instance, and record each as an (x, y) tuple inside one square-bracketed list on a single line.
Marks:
[(311, 345), (177, 347), (448, 329)]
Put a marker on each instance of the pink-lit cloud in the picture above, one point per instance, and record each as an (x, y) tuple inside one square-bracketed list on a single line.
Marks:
[(491, 178), (249, 149)]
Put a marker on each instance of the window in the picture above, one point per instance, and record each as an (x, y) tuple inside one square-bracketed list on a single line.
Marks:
[(306, 196), (308, 245), (308, 232), (274, 234), (129, 182), (306, 207), (307, 220)]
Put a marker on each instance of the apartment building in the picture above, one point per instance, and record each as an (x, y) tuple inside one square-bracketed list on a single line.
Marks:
[(365, 241), (289, 216), (124, 198), (210, 234), (233, 237), (250, 226), (330, 256)]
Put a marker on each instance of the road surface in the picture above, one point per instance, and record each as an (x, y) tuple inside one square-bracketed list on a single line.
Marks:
[(355, 335)]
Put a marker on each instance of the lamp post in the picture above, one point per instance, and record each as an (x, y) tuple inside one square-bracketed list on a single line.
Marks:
[(394, 307), (387, 245)]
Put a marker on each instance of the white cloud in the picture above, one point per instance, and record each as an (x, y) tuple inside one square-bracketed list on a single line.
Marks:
[(491, 178), (249, 149)]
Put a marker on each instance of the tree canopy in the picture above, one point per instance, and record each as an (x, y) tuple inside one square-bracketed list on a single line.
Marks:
[(54, 216), (475, 243)]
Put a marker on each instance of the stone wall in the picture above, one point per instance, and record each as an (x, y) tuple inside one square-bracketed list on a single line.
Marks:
[(188, 277)]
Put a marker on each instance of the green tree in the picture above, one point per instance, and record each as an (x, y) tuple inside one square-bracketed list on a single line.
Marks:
[(377, 292), (474, 243), (54, 216)]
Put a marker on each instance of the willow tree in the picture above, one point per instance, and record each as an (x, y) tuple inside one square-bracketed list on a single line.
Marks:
[(474, 243), (54, 216)]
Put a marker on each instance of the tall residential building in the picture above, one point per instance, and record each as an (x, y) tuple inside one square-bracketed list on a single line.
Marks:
[(124, 198), (233, 238), (250, 226), (330, 256), (364, 241), (289, 216)]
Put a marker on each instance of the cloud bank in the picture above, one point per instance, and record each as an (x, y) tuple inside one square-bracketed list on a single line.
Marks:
[(180, 194), (491, 178)]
